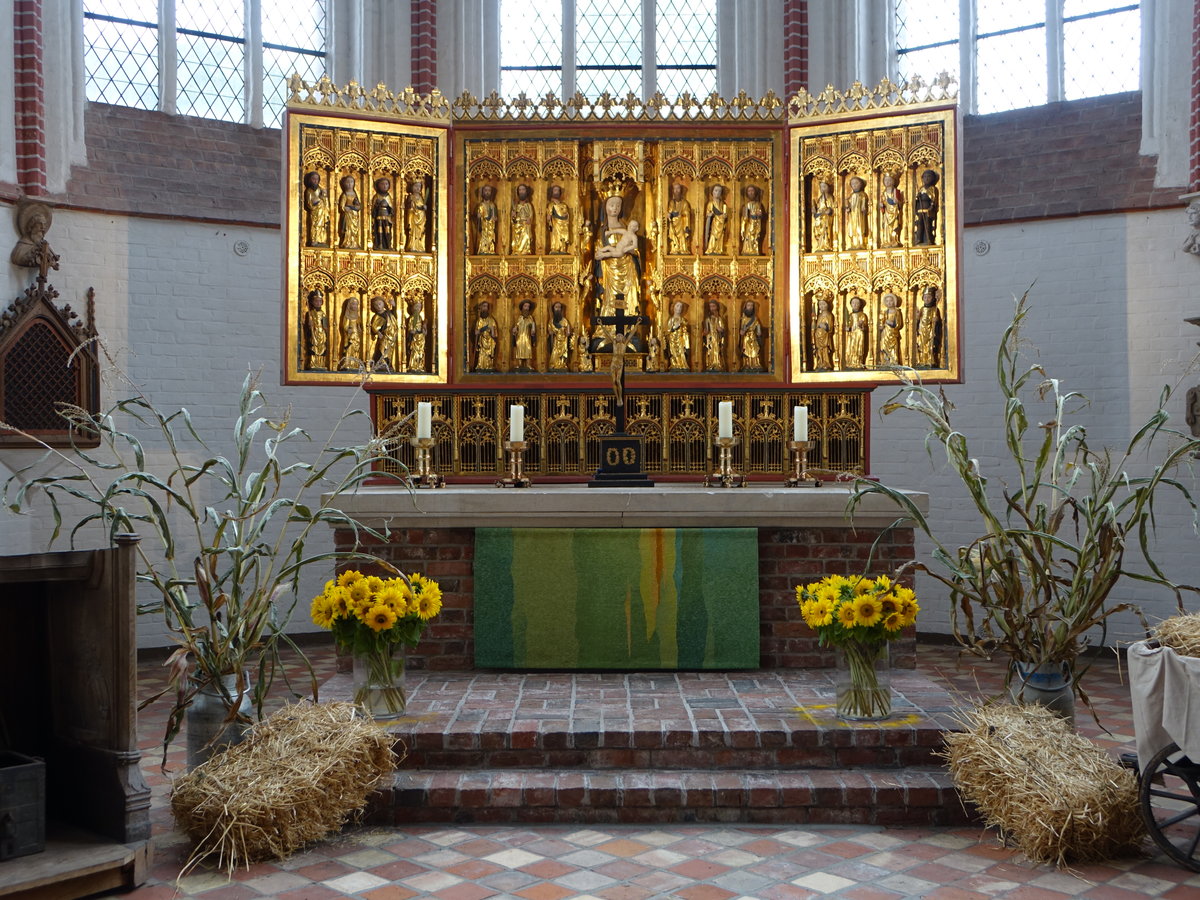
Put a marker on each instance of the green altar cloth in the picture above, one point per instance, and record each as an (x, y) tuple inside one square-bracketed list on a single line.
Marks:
[(616, 598)]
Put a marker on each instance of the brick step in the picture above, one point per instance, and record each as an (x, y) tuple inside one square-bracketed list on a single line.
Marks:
[(833, 745), (913, 796)]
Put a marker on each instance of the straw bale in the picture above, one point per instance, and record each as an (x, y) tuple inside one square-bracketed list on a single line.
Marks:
[(1052, 793), (1180, 633), (299, 775)]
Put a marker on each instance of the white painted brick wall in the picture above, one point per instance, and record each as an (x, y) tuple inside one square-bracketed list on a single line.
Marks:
[(1109, 295), (188, 318)]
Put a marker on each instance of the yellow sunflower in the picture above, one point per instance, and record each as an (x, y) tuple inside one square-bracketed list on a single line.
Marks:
[(883, 583), (362, 608), (348, 578), (829, 593), (322, 611), (887, 605), (908, 611), (893, 621), (339, 602), (380, 618), (358, 591), (866, 610), (863, 586), (845, 615), (821, 613), (428, 605), (374, 583), (394, 597)]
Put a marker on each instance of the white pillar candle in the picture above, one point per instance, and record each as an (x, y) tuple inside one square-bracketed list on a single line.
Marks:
[(424, 420), (800, 423), (725, 419), (516, 423)]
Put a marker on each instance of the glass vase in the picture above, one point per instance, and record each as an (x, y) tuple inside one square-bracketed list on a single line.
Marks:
[(379, 681), (863, 681)]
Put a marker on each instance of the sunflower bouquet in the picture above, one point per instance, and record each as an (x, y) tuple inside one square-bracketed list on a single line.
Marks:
[(372, 617), (859, 615)]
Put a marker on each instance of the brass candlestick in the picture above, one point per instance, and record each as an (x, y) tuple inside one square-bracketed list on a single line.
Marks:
[(725, 476), (516, 461), (426, 477), (801, 477)]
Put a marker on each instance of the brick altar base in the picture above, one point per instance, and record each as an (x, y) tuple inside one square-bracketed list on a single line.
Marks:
[(786, 557)]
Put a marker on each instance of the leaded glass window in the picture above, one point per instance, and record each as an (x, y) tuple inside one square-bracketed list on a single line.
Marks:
[(210, 70), (611, 41), (1019, 57)]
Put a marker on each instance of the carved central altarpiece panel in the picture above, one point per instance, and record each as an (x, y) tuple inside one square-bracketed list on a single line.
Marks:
[(781, 254)]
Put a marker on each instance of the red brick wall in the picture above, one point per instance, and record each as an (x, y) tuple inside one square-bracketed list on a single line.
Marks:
[(787, 557), (29, 93), (795, 46), (1057, 160), (150, 163), (1195, 143), (424, 45)]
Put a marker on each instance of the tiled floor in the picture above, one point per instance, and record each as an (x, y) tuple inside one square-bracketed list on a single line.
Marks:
[(693, 862)]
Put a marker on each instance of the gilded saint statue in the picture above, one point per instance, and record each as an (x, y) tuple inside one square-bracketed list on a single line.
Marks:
[(316, 209), (559, 338), (754, 214), (714, 338), (385, 329), (414, 331), (485, 220), (891, 324), (485, 331), (585, 356), (558, 222), (349, 215), (352, 336), (858, 208), (679, 339), (618, 272), (416, 218), (891, 208), (929, 330), (383, 216), (524, 332), (316, 330), (654, 360), (857, 325), (716, 218), (823, 216), (522, 222), (679, 221), (750, 338), (822, 336), (925, 209)]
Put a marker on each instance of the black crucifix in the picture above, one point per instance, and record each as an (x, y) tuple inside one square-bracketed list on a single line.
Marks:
[(620, 343)]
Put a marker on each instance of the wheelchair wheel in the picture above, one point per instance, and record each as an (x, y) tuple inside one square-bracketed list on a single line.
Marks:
[(1169, 792)]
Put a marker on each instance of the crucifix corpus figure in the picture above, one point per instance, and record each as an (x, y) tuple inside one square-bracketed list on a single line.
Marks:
[(620, 343)]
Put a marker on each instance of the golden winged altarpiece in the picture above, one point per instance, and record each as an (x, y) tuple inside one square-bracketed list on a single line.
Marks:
[(784, 253)]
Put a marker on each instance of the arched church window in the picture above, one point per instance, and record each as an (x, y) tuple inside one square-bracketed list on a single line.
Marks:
[(227, 61), (619, 46), (1009, 54)]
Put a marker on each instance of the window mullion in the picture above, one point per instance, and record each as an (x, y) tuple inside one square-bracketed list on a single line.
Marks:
[(252, 65), (649, 50), (568, 49), (968, 85), (1055, 88), (168, 58)]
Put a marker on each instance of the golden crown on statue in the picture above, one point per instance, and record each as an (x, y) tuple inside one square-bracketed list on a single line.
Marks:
[(618, 185)]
